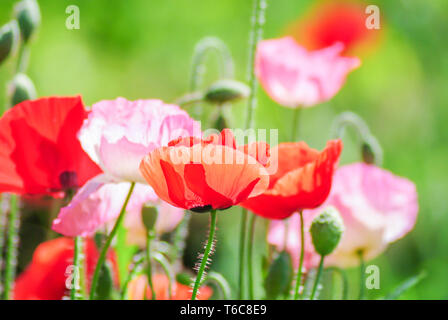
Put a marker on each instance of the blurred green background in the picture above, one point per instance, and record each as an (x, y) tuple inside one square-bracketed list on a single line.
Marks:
[(143, 49)]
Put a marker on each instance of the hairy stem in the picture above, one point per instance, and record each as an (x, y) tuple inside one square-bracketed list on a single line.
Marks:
[(150, 236), (208, 248), (75, 291)]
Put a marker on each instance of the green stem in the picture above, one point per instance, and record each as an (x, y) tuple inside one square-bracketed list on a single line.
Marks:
[(344, 279), (150, 236), (164, 263), (302, 254), (242, 251), (208, 248), (22, 61), (256, 34), (131, 275), (221, 282), (102, 257), (75, 291), (296, 124), (11, 248), (317, 280), (362, 275), (250, 246), (2, 236)]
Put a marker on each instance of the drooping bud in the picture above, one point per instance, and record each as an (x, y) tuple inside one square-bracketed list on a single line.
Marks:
[(223, 91), (326, 231), (279, 277), (22, 89), (27, 13), (149, 217), (9, 38)]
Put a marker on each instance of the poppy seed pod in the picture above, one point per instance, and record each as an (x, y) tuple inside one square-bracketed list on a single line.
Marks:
[(27, 13), (9, 37), (223, 91), (326, 231), (22, 89)]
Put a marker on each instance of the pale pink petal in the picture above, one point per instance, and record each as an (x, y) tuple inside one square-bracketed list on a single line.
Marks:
[(295, 77)]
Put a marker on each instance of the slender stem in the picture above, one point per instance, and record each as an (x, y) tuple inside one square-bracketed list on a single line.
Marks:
[(221, 282), (362, 275), (22, 61), (102, 257), (77, 261), (242, 251), (164, 263), (250, 257), (344, 279), (317, 280), (302, 254), (150, 236), (208, 248), (256, 34), (2, 237), (296, 124), (11, 248), (131, 275)]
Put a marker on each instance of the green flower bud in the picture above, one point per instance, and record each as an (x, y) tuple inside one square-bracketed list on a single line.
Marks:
[(223, 91), (9, 38), (149, 217), (279, 277), (326, 231), (28, 15), (22, 89)]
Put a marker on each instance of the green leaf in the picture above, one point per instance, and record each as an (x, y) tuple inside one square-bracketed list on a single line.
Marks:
[(405, 286)]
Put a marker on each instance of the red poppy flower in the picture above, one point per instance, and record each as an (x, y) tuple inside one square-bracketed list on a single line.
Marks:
[(302, 181), (335, 21), (45, 278), (138, 288), (39, 150), (204, 174)]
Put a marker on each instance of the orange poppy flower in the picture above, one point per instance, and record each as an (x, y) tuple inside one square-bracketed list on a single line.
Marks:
[(204, 174), (302, 181), (138, 288)]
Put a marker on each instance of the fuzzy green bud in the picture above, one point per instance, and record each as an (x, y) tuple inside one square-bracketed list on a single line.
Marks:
[(223, 91), (27, 13), (22, 89), (326, 231), (9, 38), (184, 278)]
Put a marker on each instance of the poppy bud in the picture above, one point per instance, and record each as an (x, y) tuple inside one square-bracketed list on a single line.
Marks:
[(279, 277), (28, 15), (105, 283), (223, 91), (21, 89), (9, 37), (367, 153), (149, 217), (326, 231)]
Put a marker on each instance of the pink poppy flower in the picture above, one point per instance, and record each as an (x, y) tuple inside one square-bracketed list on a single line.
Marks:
[(377, 207), (295, 77), (99, 203), (119, 133)]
